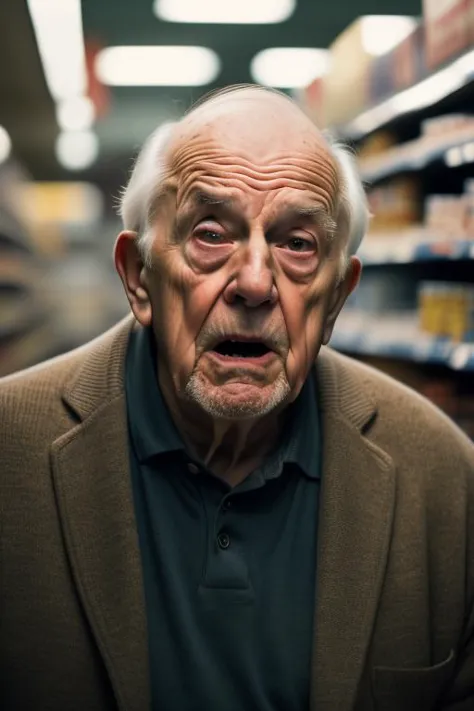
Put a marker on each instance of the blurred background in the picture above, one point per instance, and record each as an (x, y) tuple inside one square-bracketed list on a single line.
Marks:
[(82, 84)]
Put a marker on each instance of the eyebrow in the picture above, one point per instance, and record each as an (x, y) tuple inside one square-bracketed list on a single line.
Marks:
[(201, 198), (316, 213)]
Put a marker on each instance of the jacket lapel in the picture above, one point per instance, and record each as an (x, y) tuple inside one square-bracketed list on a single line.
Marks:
[(357, 500), (92, 482)]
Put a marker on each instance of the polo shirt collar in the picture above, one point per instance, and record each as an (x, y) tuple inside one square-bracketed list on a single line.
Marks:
[(301, 442), (151, 426)]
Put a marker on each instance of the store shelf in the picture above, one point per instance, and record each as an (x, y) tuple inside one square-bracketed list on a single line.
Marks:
[(428, 92), (397, 335), (403, 344), (414, 246), (417, 155)]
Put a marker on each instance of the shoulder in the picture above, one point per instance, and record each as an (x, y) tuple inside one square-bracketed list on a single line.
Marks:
[(43, 380), (32, 411), (405, 424), (39, 404)]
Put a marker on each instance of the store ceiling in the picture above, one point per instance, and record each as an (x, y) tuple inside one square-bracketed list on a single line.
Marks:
[(27, 111)]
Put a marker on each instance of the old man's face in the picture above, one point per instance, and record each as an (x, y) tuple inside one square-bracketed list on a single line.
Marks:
[(243, 288)]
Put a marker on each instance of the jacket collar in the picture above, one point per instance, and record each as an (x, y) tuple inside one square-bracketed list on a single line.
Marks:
[(91, 478)]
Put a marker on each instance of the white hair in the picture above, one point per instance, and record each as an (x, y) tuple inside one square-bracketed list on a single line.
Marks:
[(139, 196)]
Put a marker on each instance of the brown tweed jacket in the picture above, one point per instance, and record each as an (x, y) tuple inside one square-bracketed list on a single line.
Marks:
[(394, 611)]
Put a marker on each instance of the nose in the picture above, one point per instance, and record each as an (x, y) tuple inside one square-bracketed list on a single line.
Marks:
[(253, 283)]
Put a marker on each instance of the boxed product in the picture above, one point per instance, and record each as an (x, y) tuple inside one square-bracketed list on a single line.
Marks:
[(410, 65), (395, 205), (446, 215), (346, 84), (469, 206), (382, 77), (447, 31), (446, 310), (376, 144), (448, 127), (451, 215)]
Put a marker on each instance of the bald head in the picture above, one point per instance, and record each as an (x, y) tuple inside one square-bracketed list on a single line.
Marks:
[(252, 120)]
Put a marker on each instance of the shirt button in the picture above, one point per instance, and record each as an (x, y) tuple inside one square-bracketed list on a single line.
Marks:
[(223, 541), (227, 504), (193, 468)]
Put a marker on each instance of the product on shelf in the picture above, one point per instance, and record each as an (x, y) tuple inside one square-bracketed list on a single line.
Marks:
[(446, 310), (346, 84), (448, 126), (447, 30), (469, 202), (410, 65), (382, 77), (438, 134), (376, 144), (395, 205), (451, 215)]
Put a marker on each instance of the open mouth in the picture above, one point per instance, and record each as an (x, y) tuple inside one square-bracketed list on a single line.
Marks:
[(242, 349)]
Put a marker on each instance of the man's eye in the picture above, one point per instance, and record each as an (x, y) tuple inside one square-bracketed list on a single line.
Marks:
[(210, 236), (299, 244)]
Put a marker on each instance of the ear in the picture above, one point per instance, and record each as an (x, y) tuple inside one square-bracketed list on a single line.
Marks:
[(131, 269), (343, 289)]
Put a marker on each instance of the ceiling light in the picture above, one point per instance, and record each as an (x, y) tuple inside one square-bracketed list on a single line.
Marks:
[(289, 67), (5, 145), (58, 29), (381, 33), (75, 114), (224, 11), (454, 157), (468, 152), (157, 66), (77, 150)]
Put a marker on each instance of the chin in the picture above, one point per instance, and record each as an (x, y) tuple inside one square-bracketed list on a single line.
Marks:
[(237, 401)]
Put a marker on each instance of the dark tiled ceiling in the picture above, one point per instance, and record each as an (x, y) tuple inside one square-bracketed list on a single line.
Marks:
[(27, 111)]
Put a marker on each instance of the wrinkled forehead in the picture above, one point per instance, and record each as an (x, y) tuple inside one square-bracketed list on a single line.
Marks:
[(255, 146)]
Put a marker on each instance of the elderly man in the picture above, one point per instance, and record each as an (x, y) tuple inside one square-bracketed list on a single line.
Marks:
[(205, 508)]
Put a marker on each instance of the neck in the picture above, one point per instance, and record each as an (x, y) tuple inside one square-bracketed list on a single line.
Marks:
[(230, 449)]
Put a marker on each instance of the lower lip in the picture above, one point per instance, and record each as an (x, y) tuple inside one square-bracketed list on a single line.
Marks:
[(242, 361)]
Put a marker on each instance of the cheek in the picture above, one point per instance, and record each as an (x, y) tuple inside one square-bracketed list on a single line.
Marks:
[(304, 310), (181, 302)]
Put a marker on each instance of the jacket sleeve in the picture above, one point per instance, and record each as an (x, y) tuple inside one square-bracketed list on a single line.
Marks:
[(460, 695)]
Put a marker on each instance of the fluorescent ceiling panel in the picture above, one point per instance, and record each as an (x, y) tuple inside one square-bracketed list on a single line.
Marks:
[(157, 66), (5, 145), (238, 12), (381, 33), (76, 150), (289, 67), (58, 29), (75, 114)]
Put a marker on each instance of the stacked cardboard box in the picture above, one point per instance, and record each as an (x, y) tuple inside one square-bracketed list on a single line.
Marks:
[(448, 30)]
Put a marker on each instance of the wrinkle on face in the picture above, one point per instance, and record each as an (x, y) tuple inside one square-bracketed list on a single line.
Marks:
[(290, 171)]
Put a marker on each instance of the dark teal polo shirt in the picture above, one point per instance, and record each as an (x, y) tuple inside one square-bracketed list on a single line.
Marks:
[(229, 573)]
